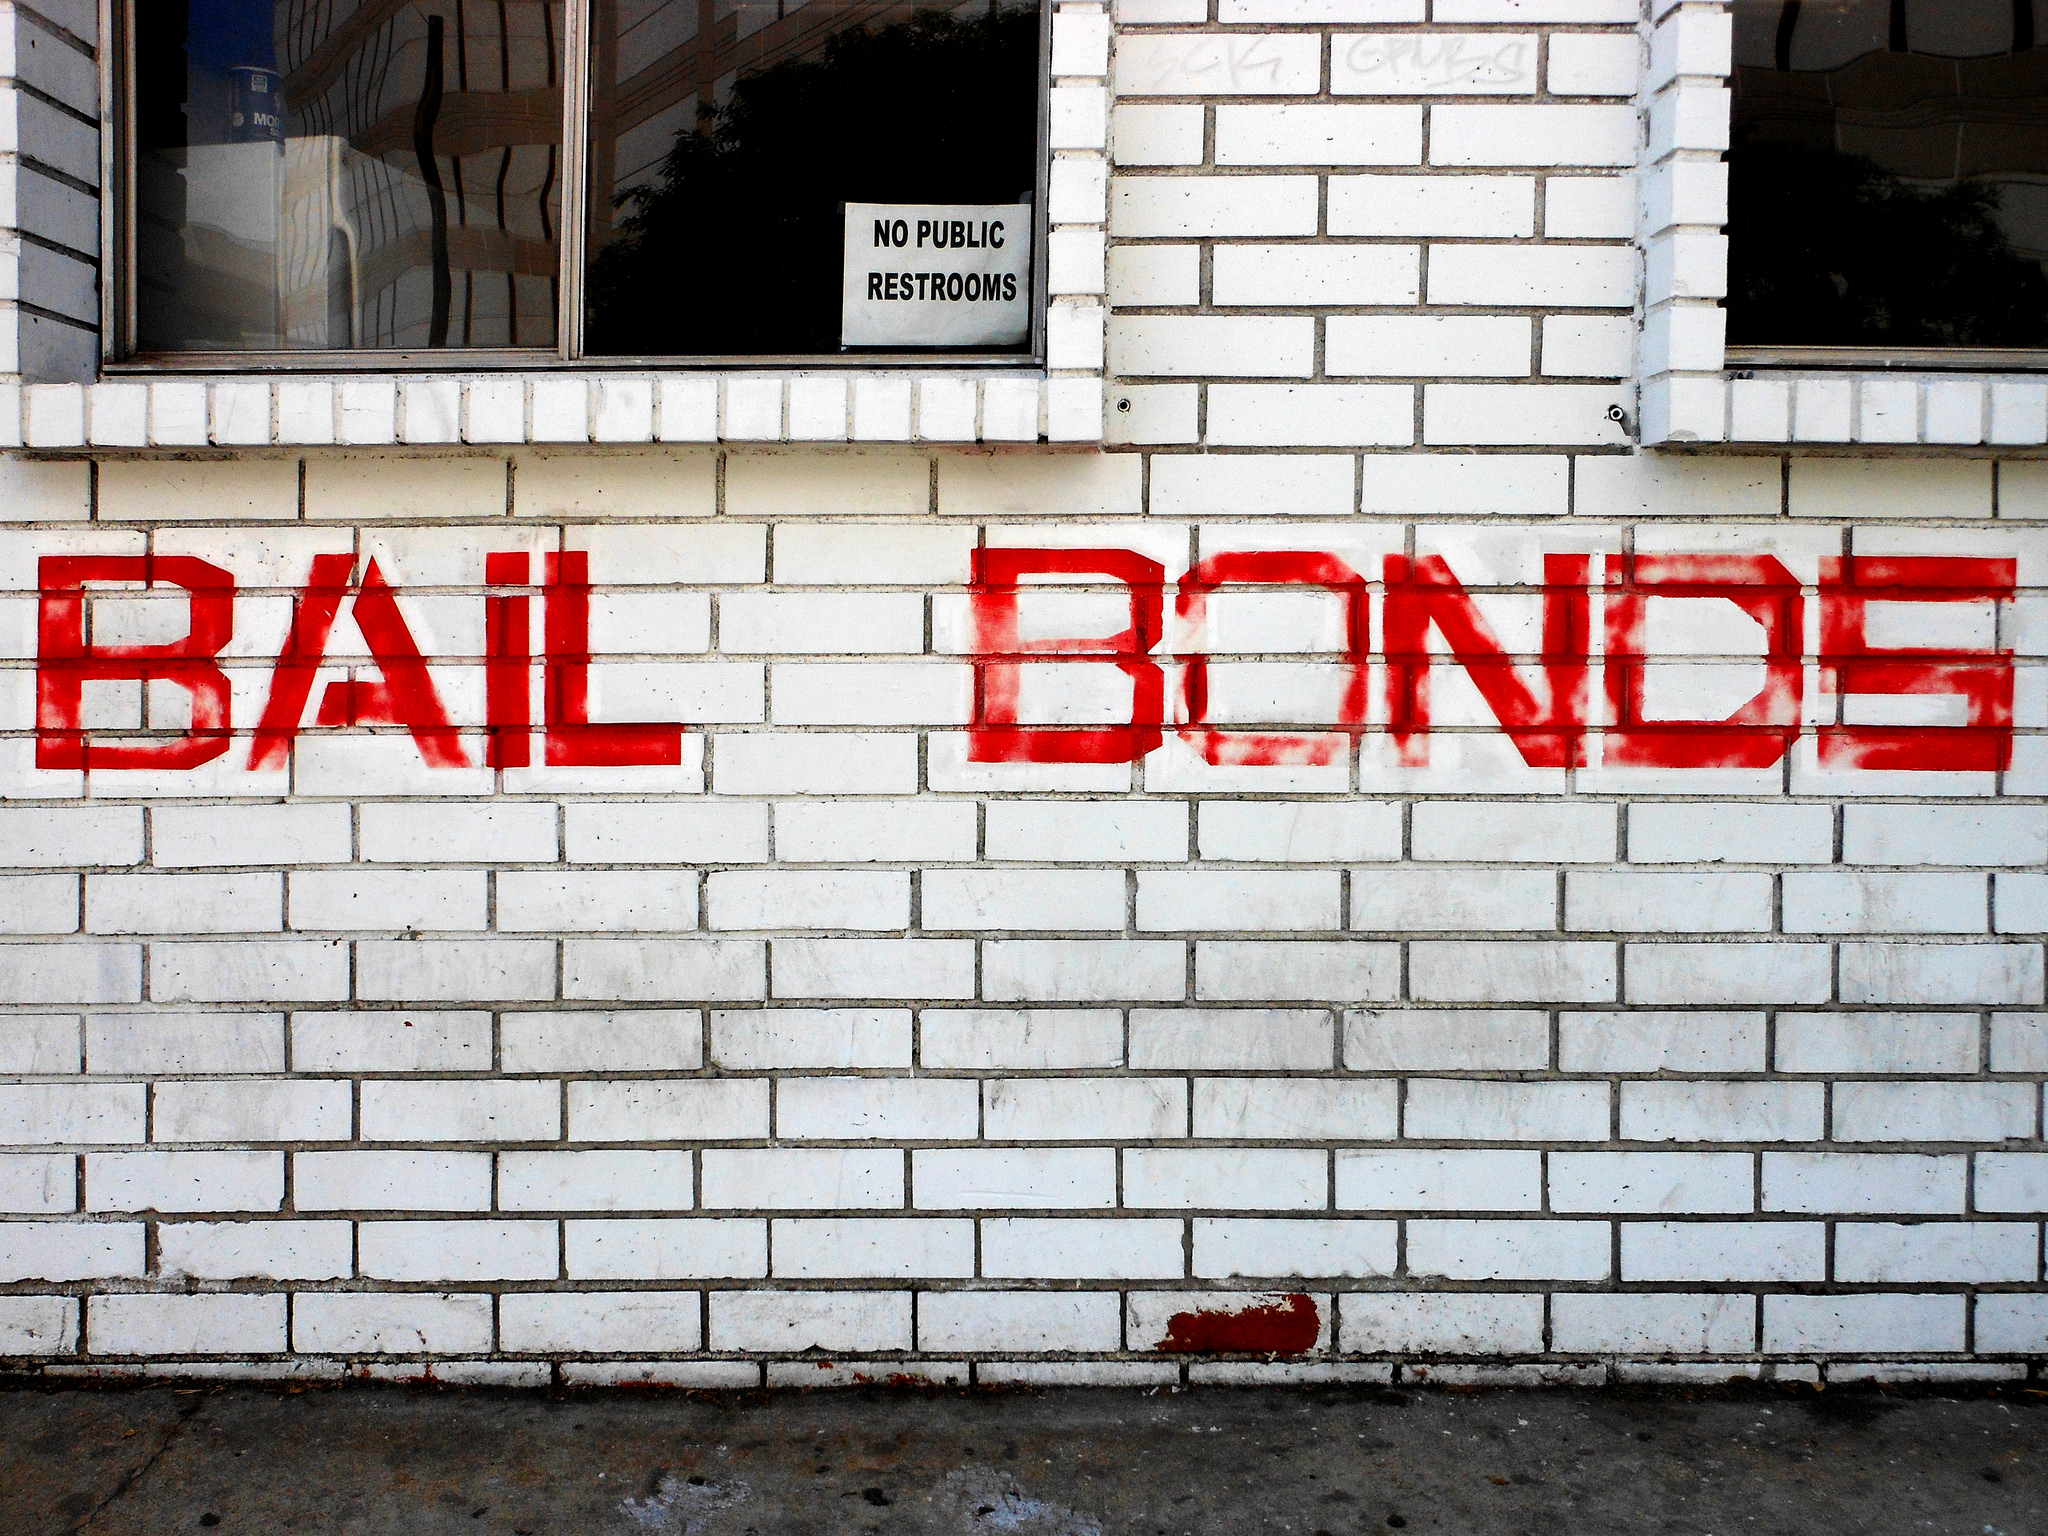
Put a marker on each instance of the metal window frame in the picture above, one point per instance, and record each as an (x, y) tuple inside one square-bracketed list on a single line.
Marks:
[(1891, 359), (118, 304), (117, 190)]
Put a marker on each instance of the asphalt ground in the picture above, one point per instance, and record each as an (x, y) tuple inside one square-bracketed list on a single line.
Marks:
[(361, 1460)]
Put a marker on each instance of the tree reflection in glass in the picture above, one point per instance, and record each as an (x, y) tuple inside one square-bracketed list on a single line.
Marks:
[(715, 215), (1888, 175)]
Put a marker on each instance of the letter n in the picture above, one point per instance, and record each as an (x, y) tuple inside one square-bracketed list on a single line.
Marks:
[(65, 662), (1851, 665), (998, 734), (1543, 716), (1754, 736)]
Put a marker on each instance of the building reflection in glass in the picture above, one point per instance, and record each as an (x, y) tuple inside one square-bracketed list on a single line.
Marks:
[(321, 174)]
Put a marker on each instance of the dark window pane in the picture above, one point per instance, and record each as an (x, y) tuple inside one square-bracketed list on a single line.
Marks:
[(1889, 175), (347, 173), (726, 139)]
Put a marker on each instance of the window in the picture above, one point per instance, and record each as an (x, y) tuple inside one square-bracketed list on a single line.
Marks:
[(317, 183), (1889, 182)]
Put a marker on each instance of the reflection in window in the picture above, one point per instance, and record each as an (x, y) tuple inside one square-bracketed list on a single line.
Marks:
[(1889, 175), (726, 136), (347, 173)]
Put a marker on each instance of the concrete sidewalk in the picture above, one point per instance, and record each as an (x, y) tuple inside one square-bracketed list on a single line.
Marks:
[(365, 1461)]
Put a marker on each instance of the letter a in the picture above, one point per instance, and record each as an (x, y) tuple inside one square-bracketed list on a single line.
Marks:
[(406, 696)]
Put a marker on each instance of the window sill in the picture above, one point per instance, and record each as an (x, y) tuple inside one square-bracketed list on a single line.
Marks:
[(1956, 360), (510, 409), (1929, 410)]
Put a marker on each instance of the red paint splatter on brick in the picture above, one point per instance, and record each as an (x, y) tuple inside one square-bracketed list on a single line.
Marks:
[(1287, 1325)]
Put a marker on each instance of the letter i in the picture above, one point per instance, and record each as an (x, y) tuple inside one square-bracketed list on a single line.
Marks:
[(508, 663)]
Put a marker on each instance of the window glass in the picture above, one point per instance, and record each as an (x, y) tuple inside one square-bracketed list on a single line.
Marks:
[(728, 138), (347, 173), (1889, 175)]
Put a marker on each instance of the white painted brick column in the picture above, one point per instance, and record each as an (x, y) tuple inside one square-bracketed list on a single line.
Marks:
[(1685, 203)]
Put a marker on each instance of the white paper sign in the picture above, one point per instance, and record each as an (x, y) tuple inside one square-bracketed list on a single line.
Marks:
[(936, 275)]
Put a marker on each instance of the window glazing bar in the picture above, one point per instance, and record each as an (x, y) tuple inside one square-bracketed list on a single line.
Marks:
[(575, 234), (117, 181)]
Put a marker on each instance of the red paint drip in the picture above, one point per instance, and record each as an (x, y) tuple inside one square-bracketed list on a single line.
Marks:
[(1287, 1326)]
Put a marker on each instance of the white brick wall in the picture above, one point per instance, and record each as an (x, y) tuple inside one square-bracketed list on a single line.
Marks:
[(831, 1032)]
